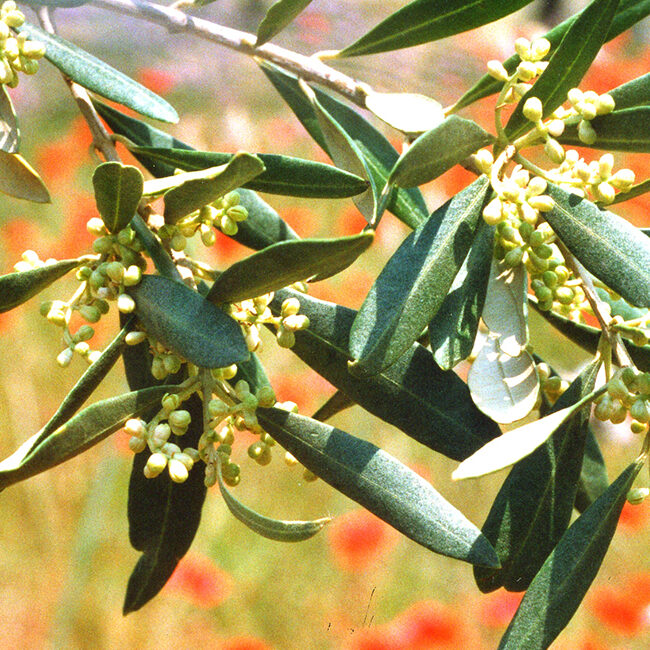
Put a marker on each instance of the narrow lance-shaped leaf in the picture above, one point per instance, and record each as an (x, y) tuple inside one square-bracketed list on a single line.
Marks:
[(452, 330), (608, 246), (9, 132), (118, 190), (636, 190), (593, 475), (163, 517), (337, 403), (92, 73), (378, 152), (19, 179), (561, 584), (81, 432), (628, 13), (568, 64), (276, 529), (282, 174), (534, 505), (159, 255), (618, 131), (187, 323), (424, 21), (587, 337), (517, 443), (633, 93), (380, 483), (413, 284), (279, 15), (195, 193), (504, 387), (430, 405), (438, 150), (284, 263), (407, 112), (18, 287)]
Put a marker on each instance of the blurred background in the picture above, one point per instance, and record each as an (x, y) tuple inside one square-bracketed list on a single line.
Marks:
[(65, 556)]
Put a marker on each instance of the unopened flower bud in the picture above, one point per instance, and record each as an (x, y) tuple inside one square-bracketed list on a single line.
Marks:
[(65, 357), (522, 48), (586, 132), (637, 496), (497, 71), (533, 109), (605, 104)]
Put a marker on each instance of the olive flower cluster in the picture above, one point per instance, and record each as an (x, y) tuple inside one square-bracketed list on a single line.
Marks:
[(17, 52), (628, 391)]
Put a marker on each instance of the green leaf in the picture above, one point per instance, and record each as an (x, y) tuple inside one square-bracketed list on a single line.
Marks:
[(633, 192), (380, 156), (452, 330), (187, 323), (93, 74), (87, 384), (276, 529), (163, 517), (608, 246), (19, 179), (504, 387), (629, 13), (9, 131), (263, 227), (561, 584), (620, 307), (587, 337), (279, 15), (518, 443), (338, 402), (118, 190), (428, 404), (633, 93), (424, 21), (414, 283), (283, 174), (438, 150), (197, 192), (618, 131), (81, 432), (18, 287), (568, 64), (534, 505), (407, 112), (593, 479), (284, 263), (380, 483), (158, 254)]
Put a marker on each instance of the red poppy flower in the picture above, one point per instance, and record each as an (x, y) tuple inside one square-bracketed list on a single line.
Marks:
[(158, 81), (198, 579), (498, 608)]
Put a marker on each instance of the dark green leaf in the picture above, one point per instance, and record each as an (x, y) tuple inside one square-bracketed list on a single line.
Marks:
[(633, 93), (608, 246), (81, 432), (424, 21), (380, 483), (163, 517), (197, 192), (279, 15), (452, 330), (409, 113), (534, 505), (87, 383), (413, 284), (283, 174), (568, 64), (89, 72), (587, 337), (624, 130), (334, 405), (118, 190), (276, 529), (593, 476), (18, 287), (9, 131), (629, 13), (159, 256), (285, 263), (430, 405), (19, 179), (263, 226), (187, 323), (561, 584), (380, 156), (633, 192), (438, 150)]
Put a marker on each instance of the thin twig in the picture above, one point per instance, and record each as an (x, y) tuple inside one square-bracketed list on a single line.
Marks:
[(310, 68)]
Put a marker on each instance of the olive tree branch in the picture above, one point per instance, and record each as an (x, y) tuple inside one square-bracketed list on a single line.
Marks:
[(310, 68)]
